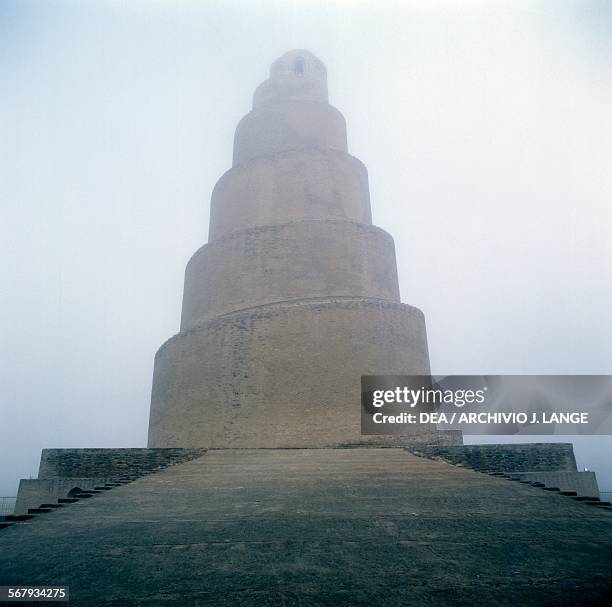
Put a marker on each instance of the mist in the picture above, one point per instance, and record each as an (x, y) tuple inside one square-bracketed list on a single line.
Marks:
[(485, 126)]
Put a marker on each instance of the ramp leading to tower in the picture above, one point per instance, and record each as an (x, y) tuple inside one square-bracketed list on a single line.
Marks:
[(317, 527)]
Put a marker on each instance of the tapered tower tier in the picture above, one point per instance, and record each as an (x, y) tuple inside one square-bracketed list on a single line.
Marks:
[(290, 186), (281, 375), (289, 262)]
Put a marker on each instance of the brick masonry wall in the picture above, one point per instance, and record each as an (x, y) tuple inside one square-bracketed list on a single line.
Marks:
[(109, 463), (534, 457), (34, 491), (260, 400), (583, 483)]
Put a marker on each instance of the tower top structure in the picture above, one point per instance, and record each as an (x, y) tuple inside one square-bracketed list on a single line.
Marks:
[(296, 75)]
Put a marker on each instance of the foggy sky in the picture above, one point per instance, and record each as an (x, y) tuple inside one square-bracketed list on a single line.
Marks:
[(485, 126)]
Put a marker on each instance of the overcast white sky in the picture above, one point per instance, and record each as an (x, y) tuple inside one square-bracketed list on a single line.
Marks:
[(486, 128)]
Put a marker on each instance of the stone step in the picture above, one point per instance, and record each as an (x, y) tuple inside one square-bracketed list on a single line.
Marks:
[(569, 493), (39, 510), (583, 498), (50, 505), (68, 500), (105, 488), (551, 489), (5, 525), (18, 517), (79, 496)]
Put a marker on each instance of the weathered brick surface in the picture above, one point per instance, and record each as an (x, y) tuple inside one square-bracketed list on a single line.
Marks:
[(290, 186), (36, 491), (303, 259), (109, 463), (291, 125), (535, 457), (583, 483), (281, 375)]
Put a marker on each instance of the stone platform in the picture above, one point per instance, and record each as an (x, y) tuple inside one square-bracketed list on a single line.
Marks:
[(317, 527)]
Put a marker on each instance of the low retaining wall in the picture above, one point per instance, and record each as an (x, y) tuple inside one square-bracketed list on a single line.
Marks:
[(61, 470), (534, 457), (583, 483), (109, 463), (33, 492)]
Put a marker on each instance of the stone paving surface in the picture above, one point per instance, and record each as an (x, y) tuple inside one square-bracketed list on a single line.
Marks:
[(321, 527)]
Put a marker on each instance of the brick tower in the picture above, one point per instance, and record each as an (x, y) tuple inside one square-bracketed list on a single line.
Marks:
[(296, 294)]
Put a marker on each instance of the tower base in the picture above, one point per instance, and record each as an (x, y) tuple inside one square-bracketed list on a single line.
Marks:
[(282, 375)]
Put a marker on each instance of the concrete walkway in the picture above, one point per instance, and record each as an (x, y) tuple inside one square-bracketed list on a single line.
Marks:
[(333, 527)]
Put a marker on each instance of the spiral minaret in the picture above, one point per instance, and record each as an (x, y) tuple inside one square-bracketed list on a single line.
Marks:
[(296, 294)]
